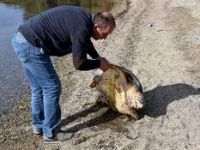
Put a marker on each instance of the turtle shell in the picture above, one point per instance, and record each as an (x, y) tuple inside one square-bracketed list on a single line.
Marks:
[(121, 88)]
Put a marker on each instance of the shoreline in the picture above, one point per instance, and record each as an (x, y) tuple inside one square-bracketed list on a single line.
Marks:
[(19, 115), (27, 92)]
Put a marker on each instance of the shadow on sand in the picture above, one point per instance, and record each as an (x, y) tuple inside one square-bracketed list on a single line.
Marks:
[(156, 101), (106, 116)]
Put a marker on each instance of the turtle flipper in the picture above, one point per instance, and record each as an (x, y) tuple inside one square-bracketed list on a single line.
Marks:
[(95, 81)]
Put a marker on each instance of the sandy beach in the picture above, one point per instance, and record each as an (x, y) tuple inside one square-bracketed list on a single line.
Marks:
[(159, 41)]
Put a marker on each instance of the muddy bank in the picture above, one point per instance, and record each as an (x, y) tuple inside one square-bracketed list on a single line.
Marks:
[(158, 41)]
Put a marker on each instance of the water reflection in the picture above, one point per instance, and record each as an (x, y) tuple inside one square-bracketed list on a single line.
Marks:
[(11, 77), (32, 7), (12, 14)]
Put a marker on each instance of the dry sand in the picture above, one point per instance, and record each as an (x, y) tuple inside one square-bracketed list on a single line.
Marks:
[(160, 42)]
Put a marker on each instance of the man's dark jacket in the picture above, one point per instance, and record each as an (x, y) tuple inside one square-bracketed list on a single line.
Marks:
[(62, 30)]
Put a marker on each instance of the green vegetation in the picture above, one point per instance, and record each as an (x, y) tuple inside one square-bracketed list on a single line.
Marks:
[(32, 7)]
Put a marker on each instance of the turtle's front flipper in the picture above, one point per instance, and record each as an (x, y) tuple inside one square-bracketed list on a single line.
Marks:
[(134, 115), (95, 81)]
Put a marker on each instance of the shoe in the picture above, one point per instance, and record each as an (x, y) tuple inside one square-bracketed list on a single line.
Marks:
[(60, 136), (37, 131)]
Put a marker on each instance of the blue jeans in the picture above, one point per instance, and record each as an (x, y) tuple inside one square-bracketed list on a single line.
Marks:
[(45, 85)]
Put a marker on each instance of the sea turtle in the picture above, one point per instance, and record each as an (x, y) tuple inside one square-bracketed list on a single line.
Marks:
[(122, 90)]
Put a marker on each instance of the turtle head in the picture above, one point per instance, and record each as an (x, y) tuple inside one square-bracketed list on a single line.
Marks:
[(131, 90), (134, 97), (131, 95)]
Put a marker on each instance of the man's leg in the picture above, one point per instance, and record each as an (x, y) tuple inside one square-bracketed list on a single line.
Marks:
[(37, 106), (22, 49), (45, 85), (43, 71)]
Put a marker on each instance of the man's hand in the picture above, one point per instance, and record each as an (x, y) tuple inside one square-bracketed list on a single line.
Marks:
[(104, 65)]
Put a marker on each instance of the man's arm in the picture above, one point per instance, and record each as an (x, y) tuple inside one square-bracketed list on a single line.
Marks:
[(104, 64), (91, 50), (81, 46), (85, 64), (79, 53)]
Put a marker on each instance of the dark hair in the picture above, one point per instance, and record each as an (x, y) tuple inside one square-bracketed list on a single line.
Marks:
[(104, 19)]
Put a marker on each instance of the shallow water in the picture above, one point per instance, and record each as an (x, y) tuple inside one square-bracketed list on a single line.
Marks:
[(12, 13)]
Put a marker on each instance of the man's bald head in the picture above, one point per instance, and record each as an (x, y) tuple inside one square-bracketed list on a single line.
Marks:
[(104, 19)]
